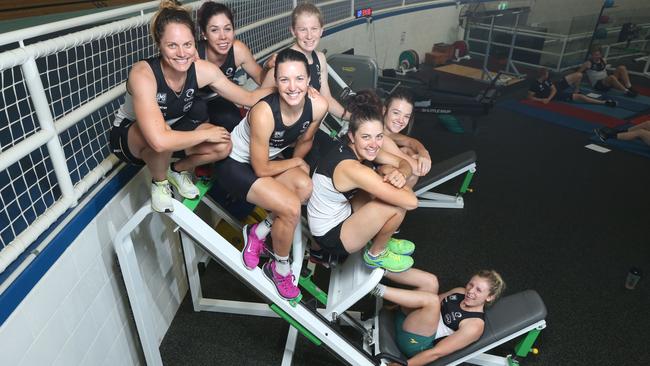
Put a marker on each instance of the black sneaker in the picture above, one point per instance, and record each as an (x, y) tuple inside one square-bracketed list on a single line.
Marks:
[(601, 135), (323, 257), (611, 103), (631, 93)]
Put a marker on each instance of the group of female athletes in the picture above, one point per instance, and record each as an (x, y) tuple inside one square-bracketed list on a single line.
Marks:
[(182, 103)]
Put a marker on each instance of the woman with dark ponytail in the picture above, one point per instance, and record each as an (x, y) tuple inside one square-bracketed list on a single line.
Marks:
[(351, 204), (219, 46), (159, 117)]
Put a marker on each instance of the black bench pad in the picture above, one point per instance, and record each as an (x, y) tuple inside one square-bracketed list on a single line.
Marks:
[(445, 167)]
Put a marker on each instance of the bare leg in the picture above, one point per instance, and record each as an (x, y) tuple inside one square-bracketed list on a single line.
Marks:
[(421, 280), (621, 74), (423, 309), (574, 79), (374, 220), (630, 134), (586, 99), (157, 162), (613, 82), (297, 181), (274, 196), (203, 153)]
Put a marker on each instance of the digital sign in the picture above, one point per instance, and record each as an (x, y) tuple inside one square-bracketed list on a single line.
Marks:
[(364, 13)]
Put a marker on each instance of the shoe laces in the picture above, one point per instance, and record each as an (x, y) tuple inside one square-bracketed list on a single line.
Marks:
[(284, 281), (163, 187), (186, 178)]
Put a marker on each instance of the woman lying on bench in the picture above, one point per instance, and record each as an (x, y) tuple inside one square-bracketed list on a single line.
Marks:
[(398, 109), (430, 326), (351, 204)]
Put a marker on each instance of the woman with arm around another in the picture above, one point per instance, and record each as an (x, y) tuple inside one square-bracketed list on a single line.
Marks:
[(351, 204), (398, 112), (219, 46), (159, 118), (255, 171)]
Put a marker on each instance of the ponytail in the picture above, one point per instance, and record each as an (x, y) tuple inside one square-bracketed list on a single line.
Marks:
[(170, 11), (364, 106)]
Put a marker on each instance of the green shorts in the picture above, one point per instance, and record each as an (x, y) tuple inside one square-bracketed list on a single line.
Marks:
[(410, 343)]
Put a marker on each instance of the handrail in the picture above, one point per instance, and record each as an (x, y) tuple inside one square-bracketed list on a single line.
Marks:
[(101, 16)]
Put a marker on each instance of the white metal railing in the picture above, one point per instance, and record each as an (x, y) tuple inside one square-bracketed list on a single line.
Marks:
[(572, 46)]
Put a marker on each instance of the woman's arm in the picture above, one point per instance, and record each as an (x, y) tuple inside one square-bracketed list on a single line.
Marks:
[(395, 169), (209, 74), (392, 147), (306, 140), (159, 136), (423, 158), (469, 331), (244, 55), (335, 107), (350, 174), (260, 119)]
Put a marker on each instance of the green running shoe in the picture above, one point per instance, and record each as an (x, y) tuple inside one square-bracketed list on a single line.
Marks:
[(400, 246), (389, 261)]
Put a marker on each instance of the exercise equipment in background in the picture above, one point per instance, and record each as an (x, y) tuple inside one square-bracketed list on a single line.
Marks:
[(408, 61), (600, 33)]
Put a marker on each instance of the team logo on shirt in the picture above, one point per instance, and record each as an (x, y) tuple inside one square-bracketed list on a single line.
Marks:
[(304, 126), (229, 71), (189, 95), (187, 107), (161, 98), (278, 134)]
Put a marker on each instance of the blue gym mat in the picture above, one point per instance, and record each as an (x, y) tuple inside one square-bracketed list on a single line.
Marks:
[(549, 116), (636, 147), (616, 112)]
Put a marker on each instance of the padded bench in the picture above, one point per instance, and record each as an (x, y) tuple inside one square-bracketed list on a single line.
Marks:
[(510, 317), (442, 172)]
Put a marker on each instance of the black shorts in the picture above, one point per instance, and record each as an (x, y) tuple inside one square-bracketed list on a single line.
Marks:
[(564, 91), (224, 113), (331, 241), (119, 135), (600, 86), (235, 177)]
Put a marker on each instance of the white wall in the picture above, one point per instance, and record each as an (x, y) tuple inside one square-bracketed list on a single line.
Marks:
[(420, 31), (78, 313)]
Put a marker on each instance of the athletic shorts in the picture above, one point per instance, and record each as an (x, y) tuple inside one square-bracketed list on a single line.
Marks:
[(331, 241), (224, 113), (600, 86), (235, 177), (410, 343), (119, 135)]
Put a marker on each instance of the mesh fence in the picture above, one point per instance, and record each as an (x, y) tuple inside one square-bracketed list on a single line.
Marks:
[(17, 119), (28, 188)]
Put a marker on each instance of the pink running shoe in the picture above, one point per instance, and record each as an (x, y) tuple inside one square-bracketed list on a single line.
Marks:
[(253, 247), (284, 284)]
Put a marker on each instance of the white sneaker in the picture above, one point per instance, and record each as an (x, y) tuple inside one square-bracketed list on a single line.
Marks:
[(183, 183), (161, 196)]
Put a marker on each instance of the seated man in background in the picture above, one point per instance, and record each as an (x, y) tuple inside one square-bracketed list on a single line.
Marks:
[(544, 90), (596, 69)]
